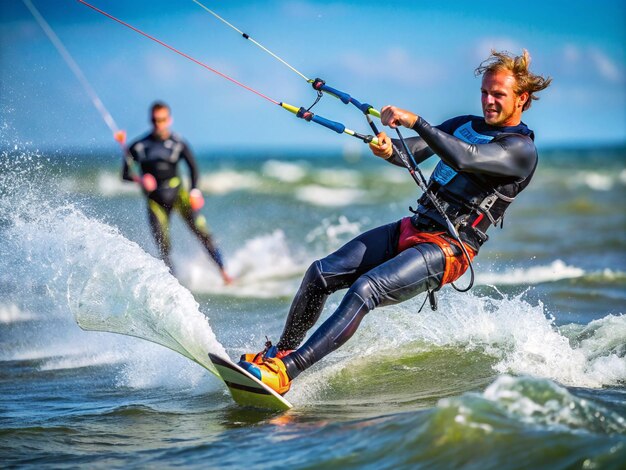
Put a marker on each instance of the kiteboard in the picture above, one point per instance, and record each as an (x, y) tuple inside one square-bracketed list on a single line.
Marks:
[(246, 389)]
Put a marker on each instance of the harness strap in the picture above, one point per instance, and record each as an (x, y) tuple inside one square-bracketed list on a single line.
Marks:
[(455, 262)]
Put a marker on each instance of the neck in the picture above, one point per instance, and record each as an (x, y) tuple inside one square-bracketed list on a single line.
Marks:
[(162, 134)]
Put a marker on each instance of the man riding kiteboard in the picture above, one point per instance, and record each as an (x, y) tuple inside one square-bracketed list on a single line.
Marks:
[(485, 163)]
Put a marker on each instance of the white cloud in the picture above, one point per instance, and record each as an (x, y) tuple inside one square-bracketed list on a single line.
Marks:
[(396, 65), (571, 53), (297, 9), (583, 62), (485, 45), (605, 66)]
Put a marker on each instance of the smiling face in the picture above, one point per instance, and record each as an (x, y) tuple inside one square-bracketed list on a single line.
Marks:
[(502, 106)]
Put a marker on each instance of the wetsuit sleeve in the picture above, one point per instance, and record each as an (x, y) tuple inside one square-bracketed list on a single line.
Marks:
[(418, 147), (507, 155), (127, 170), (191, 161)]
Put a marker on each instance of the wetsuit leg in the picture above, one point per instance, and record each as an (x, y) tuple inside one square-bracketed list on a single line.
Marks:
[(197, 224), (159, 223), (337, 271), (409, 273)]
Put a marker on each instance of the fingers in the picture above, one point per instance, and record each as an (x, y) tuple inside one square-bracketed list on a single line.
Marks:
[(120, 136), (384, 149), (196, 200), (395, 117), (388, 116), (149, 182)]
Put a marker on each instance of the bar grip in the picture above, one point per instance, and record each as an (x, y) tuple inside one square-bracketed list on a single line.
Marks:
[(344, 97), (332, 125)]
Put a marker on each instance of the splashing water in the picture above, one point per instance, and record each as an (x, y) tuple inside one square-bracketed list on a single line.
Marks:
[(109, 283), (519, 337)]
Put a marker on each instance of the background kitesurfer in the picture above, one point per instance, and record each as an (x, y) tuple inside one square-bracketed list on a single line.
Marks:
[(158, 155), (485, 162)]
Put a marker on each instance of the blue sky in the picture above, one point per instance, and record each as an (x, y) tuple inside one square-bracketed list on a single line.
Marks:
[(415, 54)]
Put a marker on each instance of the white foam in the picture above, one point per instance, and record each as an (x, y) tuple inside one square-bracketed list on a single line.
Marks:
[(108, 282), (110, 184), (81, 360), (140, 365), (227, 181), (11, 313), (518, 335), (594, 180), (284, 171), (115, 286), (331, 197), (598, 182), (263, 268), (332, 233), (528, 401), (339, 178), (555, 271), (393, 175), (536, 401)]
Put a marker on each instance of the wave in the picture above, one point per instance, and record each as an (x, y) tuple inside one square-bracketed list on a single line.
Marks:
[(262, 268), (331, 197), (555, 271), (106, 281), (597, 181), (11, 313), (286, 172), (542, 402), (492, 429), (227, 181), (109, 184), (510, 336), (332, 233), (81, 360)]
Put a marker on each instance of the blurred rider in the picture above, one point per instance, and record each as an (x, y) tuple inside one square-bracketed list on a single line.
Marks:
[(158, 154)]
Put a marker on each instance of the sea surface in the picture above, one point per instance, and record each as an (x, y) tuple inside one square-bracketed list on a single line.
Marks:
[(527, 371)]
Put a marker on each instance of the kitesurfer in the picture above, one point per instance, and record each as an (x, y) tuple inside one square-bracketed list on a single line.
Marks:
[(158, 155), (485, 162)]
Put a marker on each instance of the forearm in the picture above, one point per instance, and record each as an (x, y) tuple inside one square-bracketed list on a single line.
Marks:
[(417, 146), (128, 174), (193, 167)]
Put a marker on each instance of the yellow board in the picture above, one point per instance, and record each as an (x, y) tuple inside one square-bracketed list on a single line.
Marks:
[(246, 389)]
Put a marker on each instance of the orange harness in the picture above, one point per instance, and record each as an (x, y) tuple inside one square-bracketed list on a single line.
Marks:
[(455, 265)]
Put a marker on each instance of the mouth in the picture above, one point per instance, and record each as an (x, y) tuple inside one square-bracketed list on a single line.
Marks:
[(490, 114)]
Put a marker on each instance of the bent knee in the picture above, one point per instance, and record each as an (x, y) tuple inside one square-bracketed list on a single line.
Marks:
[(365, 288), (314, 277)]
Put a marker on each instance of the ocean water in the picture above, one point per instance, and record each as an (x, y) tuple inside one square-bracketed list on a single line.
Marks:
[(528, 370)]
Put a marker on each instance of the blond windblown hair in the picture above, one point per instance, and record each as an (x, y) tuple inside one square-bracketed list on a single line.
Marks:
[(518, 66)]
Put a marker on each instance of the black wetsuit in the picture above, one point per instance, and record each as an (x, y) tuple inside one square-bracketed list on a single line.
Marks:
[(160, 158), (476, 160)]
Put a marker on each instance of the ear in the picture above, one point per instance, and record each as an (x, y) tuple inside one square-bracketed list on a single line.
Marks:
[(522, 99)]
